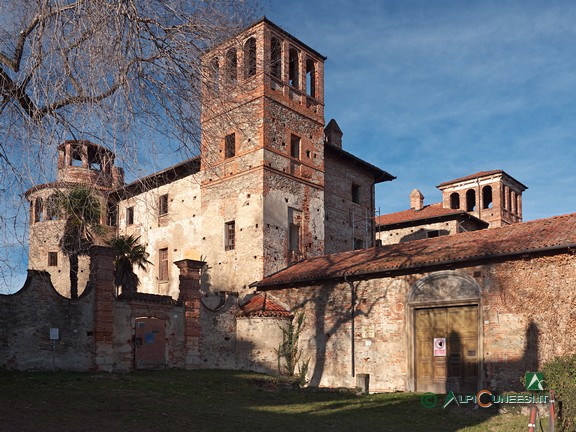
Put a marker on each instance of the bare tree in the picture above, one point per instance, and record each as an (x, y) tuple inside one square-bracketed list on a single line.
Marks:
[(125, 73)]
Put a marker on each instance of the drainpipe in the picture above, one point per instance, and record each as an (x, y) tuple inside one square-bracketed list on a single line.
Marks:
[(353, 329)]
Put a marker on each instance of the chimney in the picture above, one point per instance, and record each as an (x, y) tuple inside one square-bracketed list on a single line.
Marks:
[(333, 134), (416, 200)]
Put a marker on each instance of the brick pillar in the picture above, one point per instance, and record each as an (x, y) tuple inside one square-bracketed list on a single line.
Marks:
[(102, 282), (190, 297)]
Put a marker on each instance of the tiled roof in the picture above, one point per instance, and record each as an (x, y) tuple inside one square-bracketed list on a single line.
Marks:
[(544, 235), (432, 211), (480, 175), (261, 305), (379, 174)]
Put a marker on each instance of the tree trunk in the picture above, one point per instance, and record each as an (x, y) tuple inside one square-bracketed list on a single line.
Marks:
[(74, 276)]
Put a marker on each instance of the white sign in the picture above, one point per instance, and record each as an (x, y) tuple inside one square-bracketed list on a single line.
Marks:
[(54, 334), (439, 347)]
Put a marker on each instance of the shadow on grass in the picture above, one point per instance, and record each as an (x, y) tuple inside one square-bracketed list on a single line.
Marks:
[(208, 401)]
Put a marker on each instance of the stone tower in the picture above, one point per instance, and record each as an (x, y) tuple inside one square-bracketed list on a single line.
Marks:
[(492, 196), (79, 162), (263, 152)]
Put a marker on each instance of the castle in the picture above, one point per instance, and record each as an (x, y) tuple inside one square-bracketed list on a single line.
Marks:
[(274, 218)]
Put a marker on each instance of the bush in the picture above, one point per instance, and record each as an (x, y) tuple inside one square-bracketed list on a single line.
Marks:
[(560, 376)]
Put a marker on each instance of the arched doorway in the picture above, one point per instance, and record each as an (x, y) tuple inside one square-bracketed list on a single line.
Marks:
[(445, 337)]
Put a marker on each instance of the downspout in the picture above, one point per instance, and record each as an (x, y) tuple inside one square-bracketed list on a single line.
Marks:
[(352, 321)]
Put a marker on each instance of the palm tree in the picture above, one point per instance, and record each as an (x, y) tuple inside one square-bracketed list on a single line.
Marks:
[(128, 254), (82, 212)]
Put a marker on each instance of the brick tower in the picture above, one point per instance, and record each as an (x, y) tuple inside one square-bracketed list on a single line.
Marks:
[(493, 196), (262, 152), (79, 162)]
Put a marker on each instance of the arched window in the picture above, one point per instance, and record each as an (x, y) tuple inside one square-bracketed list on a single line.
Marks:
[(455, 200), (293, 67), (250, 58), (51, 208), (215, 75), (275, 58), (310, 78), (470, 200), (231, 66), (38, 210), (487, 197)]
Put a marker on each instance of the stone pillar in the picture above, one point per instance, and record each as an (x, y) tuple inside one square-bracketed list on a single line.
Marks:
[(190, 297), (102, 282)]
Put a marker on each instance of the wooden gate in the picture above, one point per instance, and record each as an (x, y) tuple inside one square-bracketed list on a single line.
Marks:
[(150, 343), (457, 370)]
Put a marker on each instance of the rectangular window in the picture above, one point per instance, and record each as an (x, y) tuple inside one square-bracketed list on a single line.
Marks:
[(356, 194), (163, 264), (130, 216), (52, 259), (433, 233), (230, 235), (294, 231), (230, 146), (112, 214), (163, 205), (295, 146)]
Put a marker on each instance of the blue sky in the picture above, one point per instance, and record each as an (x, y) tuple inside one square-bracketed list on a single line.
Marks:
[(435, 90)]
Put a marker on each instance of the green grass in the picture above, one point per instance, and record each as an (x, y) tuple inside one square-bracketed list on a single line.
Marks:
[(218, 401)]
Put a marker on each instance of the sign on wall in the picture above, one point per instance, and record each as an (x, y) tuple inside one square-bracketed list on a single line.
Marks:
[(439, 347)]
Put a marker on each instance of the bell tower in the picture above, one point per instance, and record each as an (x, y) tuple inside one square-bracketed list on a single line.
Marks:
[(263, 151)]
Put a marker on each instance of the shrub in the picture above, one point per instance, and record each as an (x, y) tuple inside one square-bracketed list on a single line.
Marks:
[(560, 376)]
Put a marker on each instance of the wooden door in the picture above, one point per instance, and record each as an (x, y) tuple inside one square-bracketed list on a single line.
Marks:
[(458, 369), (150, 343)]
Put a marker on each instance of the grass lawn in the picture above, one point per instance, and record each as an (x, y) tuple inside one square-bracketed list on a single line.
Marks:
[(208, 400)]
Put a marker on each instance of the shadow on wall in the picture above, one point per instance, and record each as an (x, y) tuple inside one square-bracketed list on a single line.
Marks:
[(423, 234)]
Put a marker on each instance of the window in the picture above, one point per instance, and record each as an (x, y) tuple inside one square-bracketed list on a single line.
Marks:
[(310, 78), (52, 259), (356, 194), (51, 208), (229, 235), (38, 210), (250, 58), (358, 244), (163, 205), (433, 233), (293, 67), (231, 66), (455, 201), (215, 75), (470, 200), (295, 146), (487, 197), (230, 146), (163, 264), (130, 215), (275, 58), (294, 231), (112, 214)]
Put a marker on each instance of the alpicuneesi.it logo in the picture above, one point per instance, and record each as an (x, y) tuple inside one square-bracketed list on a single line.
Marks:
[(485, 398)]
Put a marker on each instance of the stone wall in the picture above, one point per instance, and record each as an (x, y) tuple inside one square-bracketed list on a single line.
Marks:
[(526, 318)]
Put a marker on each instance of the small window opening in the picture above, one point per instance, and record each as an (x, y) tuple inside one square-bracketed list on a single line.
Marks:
[(38, 211), (250, 58), (52, 259), (230, 235), (230, 146), (51, 208), (433, 233), (231, 66), (163, 264), (130, 215), (96, 165), (275, 58), (470, 200), (356, 194), (455, 200), (295, 146), (293, 67), (163, 205), (358, 244), (294, 229), (76, 156), (215, 75), (310, 78), (487, 197), (112, 214)]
